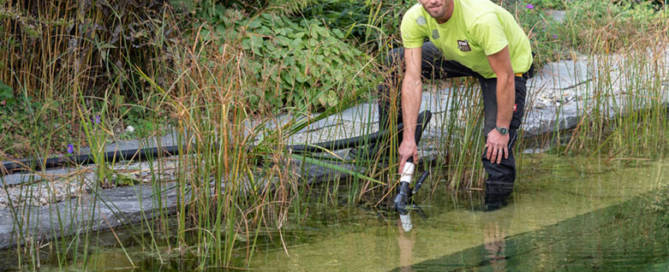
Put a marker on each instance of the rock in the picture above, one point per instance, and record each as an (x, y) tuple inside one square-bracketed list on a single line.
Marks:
[(557, 15)]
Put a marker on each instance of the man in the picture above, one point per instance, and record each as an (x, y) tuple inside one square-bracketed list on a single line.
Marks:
[(466, 38)]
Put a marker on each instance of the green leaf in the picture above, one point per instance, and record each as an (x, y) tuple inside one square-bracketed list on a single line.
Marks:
[(338, 33), (299, 76), (297, 44), (288, 78), (246, 44), (332, 99), (6, 93), (253, 24), (221, 29), (322, 99), (283, 40), (283, 31), (265, 30)]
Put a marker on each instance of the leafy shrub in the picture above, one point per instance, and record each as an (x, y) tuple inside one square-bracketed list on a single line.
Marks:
[(293, 63), (206, 8), (372, 23)]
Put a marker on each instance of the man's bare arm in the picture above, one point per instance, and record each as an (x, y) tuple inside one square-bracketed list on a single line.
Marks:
[(412, 88)]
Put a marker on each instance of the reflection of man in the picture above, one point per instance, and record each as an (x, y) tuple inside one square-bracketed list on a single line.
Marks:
[(466, 38), (494, 244), (405, 243)]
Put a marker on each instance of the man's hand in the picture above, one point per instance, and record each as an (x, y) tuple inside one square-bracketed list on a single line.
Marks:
[(497, 145), (407, 150)]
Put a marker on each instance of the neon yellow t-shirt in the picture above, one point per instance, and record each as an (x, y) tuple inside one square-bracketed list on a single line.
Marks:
[(476, 29)]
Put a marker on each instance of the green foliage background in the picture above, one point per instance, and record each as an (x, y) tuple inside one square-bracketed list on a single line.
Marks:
[(292, 62)]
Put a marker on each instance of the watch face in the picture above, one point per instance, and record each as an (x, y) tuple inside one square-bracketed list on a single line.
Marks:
[(502, 130)]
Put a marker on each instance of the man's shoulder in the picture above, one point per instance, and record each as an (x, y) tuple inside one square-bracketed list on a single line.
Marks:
[(414, 12), (477, 11), (414, 25)]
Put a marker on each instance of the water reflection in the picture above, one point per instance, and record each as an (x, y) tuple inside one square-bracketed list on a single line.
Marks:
[(495, 230), (494, 243), (492, 255), (405, 242)]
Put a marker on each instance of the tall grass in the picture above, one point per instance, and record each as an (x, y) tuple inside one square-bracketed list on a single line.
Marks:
[(236, 184), (56, 51), (634, 124)]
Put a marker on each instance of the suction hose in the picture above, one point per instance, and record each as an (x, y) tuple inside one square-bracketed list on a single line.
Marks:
[(37, 164), (24, 165)]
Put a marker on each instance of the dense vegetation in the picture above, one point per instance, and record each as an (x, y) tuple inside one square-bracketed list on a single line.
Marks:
[(79, 72), (298, 55)]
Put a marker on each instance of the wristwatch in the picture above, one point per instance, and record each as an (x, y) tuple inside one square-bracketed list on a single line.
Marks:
[(502, 130)]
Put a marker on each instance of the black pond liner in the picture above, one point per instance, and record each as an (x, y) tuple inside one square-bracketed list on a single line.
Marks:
[(32, 164)]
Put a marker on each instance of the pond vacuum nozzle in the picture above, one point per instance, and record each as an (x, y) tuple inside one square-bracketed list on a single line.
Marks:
[(403, 201), (402, 198)]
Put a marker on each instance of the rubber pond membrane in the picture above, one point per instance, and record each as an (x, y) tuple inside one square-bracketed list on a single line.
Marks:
[(566, 215)]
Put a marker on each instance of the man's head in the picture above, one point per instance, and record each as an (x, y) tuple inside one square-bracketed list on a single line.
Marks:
[(438, 9)]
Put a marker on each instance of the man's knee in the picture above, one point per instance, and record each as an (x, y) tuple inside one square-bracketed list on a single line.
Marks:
[(502, 172), (505, 171)]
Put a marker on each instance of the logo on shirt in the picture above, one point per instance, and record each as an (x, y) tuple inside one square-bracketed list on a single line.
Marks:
[(421, 20), (435, 34), (464, 46)]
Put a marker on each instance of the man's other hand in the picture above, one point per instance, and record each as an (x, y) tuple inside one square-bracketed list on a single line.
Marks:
[(497, 146), (407, 150)]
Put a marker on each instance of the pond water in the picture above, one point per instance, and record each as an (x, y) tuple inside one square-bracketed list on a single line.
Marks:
[(567, 214)]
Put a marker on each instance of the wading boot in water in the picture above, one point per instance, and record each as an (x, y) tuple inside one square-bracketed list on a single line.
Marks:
[(494, 202), (496, 194)]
